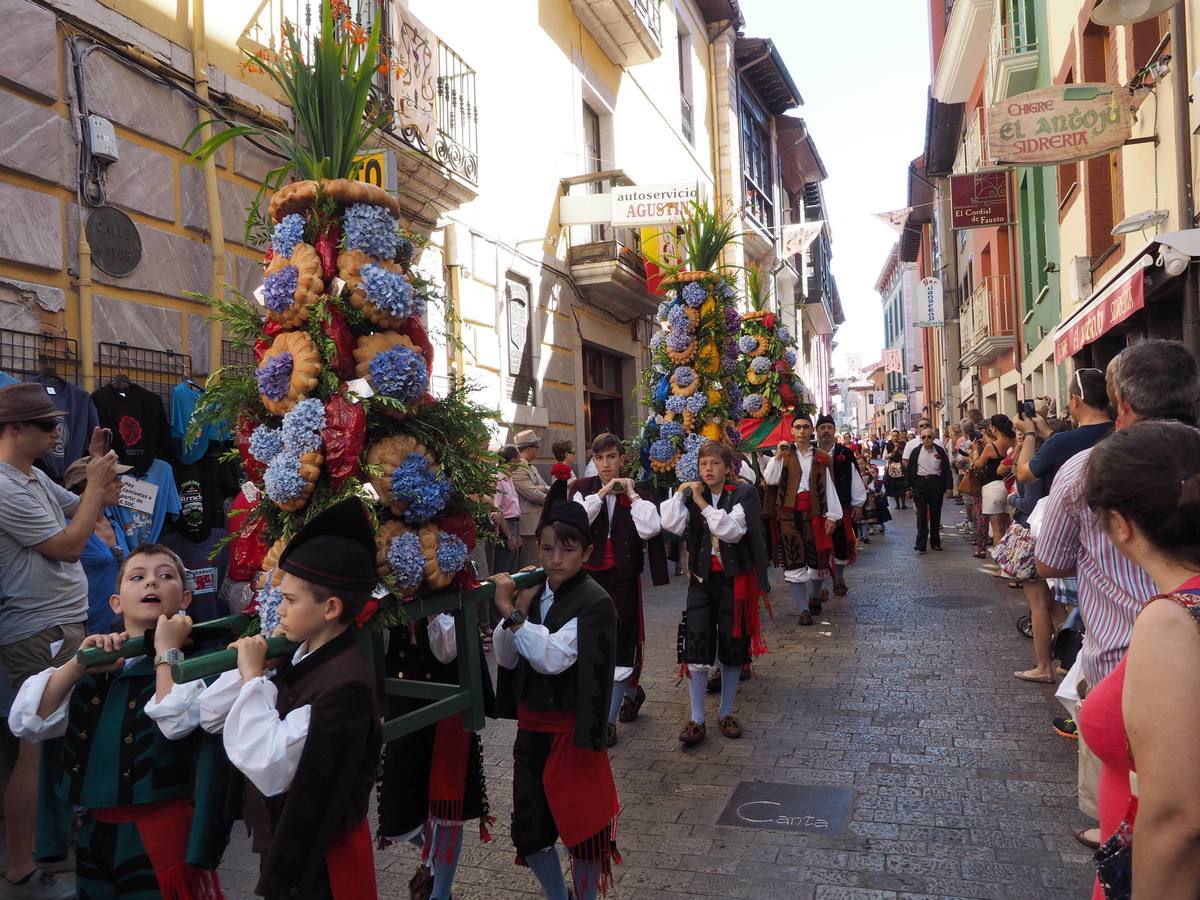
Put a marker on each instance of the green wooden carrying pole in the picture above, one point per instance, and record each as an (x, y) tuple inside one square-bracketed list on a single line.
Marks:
[(95, 656), (209, 664)]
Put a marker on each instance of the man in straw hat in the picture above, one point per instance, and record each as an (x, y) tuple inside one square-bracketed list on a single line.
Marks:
[(43, 589), (532, 489)]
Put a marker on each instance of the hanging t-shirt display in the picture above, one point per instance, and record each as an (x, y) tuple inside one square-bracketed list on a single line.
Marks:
[(153, 499), (183, 403), (6, 380), (74, 431), (204, 486), (206, 573), (138, 422)]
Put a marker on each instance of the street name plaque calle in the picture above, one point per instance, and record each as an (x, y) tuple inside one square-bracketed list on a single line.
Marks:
[(806, 808)]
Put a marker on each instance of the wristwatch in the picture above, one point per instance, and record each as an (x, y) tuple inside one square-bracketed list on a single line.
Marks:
[(515, 618), (170, 657)]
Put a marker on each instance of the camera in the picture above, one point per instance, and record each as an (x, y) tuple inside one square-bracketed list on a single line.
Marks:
[(618, 487), (1025, 410), (687, 493)]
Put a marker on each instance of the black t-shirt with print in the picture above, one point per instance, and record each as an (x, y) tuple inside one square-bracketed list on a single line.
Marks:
[(138, 422)]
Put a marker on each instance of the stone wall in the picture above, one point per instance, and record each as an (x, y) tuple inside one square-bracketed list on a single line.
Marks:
[(152, 182)]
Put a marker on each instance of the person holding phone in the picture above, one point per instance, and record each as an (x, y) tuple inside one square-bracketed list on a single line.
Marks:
[(1088, 405)]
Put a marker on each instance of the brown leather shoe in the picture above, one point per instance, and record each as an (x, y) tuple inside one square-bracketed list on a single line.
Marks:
[(840, 589), (420, 886), (730, 727), (631, 706), (693, 733), (610, 735), (806, 618)]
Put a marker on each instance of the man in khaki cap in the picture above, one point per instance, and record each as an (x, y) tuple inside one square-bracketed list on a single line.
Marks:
[(532, 488), (43, 590)]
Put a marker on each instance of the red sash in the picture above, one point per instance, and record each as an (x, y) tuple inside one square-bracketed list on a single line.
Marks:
[(605, 562), (746, 595), (164, 828), (447, 786), (350, 861), (581, 793)]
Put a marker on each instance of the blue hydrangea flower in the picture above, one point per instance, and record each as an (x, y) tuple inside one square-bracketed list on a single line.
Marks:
[(697, 402), (688, 467), (693, 442), (733, 435), (683, 376), (279, 289), (267, 601), (282, 479), (370, 229), (679, 341), (406, 560), (302, 426), (733, 320), (425, 491), (678, 319), (693, 293), (657, 340), (747, 343), (400, 373), (664, 309), (760, 365), (390, 291), (265, 443), (726, 291), (420, 303), (662, 450), (676, 404), (735, 409), (274, 375), (405, 249), (287, 234), (752, 403), (670, 430), (736, 393), (451, 553), (784, 334), (790, 356)]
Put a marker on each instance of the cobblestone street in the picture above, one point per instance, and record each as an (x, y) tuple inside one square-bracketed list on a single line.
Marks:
[(902, 692)]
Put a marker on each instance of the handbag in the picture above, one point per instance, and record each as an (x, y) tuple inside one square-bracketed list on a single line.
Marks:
[(895, 470), (1014, 553), (969, 483)]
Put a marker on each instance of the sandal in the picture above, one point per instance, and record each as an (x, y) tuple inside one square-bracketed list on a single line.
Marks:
[(730, 727), (1081, 836), (1036, 679), (980, 554), (1015, 584), (692, 733)]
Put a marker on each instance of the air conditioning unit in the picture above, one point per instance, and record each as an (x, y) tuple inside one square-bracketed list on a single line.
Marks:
[(1081, 278)]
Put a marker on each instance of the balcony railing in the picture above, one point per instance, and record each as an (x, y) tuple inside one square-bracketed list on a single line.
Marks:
[(1012, 54), (628, 31), (986, 320), (685, 111), (759, 205), (651, 13)]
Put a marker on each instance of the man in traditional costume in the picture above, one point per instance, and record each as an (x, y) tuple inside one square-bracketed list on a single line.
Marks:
[(852, 495), (624, 527), (555, 652), (802, 497), (727, 575)]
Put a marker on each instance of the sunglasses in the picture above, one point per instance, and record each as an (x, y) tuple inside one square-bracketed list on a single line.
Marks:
[(46, 425)]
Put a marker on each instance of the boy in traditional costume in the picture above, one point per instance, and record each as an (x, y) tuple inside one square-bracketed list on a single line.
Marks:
[(727, 575), (308, 739), (142, 837), (852, 495), (802, 496), (555, 651), (430, 812), (624, 527)]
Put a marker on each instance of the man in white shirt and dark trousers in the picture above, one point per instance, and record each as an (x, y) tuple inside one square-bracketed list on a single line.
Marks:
[(928, 471), (727, 576)]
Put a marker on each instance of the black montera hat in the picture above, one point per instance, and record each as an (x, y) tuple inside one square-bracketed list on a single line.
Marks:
[(825, 419), (573, 514), (335, 550)]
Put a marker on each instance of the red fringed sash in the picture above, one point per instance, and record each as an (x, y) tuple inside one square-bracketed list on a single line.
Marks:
[(746, 595), (447, 786), (351, 864), (581, 793), (164, 828), (851, 541)]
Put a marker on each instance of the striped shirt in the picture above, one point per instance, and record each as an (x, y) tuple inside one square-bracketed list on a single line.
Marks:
[(1112, 590)]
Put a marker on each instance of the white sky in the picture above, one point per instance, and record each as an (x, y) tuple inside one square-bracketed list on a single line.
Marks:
[(863, 68)]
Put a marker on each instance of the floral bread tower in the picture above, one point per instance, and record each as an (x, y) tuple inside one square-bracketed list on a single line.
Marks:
[(338, 403), (690, 385), (767, 358)]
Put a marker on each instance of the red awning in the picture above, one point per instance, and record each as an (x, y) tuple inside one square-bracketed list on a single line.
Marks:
[(1115, 303)]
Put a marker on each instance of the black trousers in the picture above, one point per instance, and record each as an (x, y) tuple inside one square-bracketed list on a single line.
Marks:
[(928, 494), (709, 621)]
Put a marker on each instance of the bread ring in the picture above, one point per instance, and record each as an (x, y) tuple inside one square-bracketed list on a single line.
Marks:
[(306, 368), (309, 285)]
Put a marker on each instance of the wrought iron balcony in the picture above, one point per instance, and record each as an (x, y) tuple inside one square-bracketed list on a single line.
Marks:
[(986, 321), (629, 31), (685, 110), (1013, 53)]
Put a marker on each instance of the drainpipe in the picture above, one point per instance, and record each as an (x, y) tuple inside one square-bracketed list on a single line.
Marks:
[(1183, 167), (453, 283), (715, 143), (216, 230), (87, 347)]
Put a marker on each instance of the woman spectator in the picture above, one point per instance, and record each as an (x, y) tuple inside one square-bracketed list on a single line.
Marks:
[(897, 483), (507, 518), (994, 508), (1045, 615), (1143, 717), (104, 550)]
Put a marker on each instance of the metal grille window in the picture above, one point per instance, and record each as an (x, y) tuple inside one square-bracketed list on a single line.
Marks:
[(520, 341), (756, 160)]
